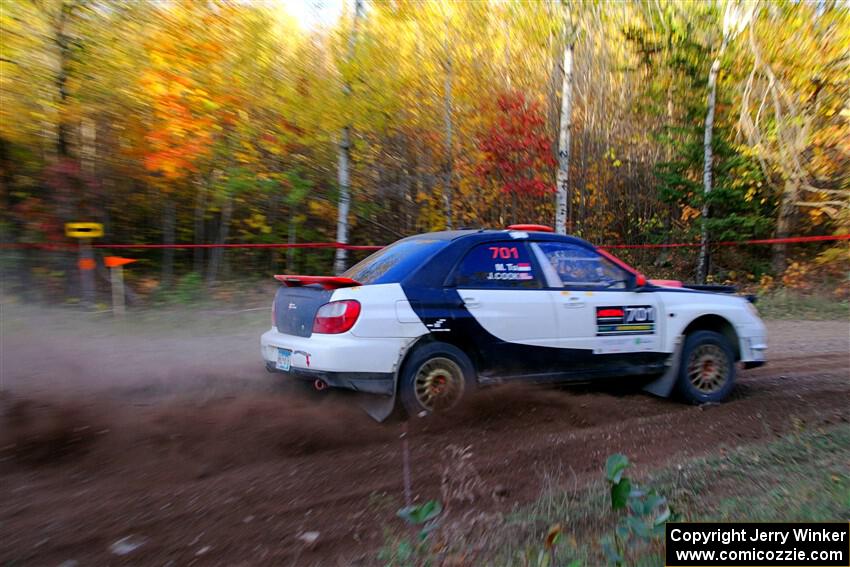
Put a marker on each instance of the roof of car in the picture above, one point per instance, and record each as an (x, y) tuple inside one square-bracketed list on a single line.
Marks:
[(484, 235)]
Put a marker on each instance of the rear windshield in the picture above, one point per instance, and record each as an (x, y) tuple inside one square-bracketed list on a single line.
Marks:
[(393, 263)]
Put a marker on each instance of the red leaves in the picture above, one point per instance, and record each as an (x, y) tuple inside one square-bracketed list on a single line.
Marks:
[(517, 149)]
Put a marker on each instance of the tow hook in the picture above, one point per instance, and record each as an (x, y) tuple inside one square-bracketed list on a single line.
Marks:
[(320, 385)]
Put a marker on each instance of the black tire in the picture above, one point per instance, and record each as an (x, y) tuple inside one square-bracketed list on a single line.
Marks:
[(435, 378), (707, 368)]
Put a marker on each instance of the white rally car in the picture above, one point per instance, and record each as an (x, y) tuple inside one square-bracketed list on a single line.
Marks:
[(433, 316)]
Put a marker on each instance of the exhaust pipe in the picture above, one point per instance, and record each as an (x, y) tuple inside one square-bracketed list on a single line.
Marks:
[(320, 385)]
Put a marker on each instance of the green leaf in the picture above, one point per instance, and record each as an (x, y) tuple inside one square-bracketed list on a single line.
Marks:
[(404, 551), (611, 552), (614, 467), (636, 505), (653, 501), (620, 493), (638, 527), (420, 513)]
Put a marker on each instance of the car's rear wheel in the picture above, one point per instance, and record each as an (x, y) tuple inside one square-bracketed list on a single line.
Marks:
[(435, 379), (707, 368)]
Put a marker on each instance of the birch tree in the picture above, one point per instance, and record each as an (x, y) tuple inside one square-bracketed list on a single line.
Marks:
[(564, 138), (344, 159), (565, 132), (735, 18)]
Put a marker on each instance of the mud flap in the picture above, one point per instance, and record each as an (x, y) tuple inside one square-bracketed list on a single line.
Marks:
[(378, 407), (663, 386)]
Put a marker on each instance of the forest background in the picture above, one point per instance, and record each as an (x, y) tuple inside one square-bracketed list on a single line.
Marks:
[(209, 122)]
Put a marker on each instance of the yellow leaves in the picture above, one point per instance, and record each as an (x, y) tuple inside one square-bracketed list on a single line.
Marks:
[(689, 213), (322, 209), (257, 223)]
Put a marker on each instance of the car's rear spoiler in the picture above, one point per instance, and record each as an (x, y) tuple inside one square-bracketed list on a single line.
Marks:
[(327, 282)]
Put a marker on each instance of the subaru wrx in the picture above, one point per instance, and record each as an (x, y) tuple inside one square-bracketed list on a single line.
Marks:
[(431, 317)]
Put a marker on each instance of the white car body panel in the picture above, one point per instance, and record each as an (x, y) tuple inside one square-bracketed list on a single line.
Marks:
[(506, 313)]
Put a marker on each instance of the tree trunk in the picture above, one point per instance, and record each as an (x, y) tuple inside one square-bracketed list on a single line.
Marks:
[(218, 253), (200, 209), (564, 137), (784, 222), (708, 158), (290, 252), (64, 44), (168, 222), (344, 161)]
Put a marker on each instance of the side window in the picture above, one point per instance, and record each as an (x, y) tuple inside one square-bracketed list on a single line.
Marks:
[(498, 265), (577, 266)]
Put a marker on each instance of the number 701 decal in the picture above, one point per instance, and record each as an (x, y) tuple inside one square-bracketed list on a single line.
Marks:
[(640, 314), (625, 320)]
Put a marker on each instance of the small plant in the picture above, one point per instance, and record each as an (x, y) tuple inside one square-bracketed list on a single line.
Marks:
[(425, 515), (405, 552), (646, 513)]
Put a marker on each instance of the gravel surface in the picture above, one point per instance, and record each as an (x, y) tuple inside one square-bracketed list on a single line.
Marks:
[(164, 440)]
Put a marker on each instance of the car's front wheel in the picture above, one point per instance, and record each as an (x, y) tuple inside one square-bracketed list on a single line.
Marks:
[(435, 378), (707, 368)]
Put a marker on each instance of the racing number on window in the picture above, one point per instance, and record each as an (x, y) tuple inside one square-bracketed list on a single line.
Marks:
[(497, 265), (504, 252)]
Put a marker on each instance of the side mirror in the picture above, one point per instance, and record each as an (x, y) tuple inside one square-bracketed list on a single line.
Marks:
[(640, 280)]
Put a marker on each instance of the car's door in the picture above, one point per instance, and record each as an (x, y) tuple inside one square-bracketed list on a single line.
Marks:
[(503, 308), (598, 307)]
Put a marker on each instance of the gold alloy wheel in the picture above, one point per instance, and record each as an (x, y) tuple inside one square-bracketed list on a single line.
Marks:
[(708, 368), (439, 384)]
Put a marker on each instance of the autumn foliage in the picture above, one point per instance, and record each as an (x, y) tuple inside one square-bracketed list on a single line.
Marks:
[(517, 148), (216, 121)]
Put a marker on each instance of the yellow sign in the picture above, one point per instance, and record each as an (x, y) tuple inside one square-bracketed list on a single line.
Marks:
[(83, 229)]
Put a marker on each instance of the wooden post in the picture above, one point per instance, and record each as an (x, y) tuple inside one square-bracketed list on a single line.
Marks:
[(87, 266), (116, 278), (85, 231)]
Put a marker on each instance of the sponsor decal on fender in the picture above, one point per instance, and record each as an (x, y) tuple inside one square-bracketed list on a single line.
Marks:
[(625, 320)]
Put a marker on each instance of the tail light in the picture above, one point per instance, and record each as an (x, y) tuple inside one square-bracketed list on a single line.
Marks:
[(336, 317)]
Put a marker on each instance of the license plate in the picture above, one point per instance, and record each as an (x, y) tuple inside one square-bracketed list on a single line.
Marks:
[(284, 359)]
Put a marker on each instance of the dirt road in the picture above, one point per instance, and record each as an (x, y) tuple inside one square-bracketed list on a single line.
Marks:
[(165, 443)]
